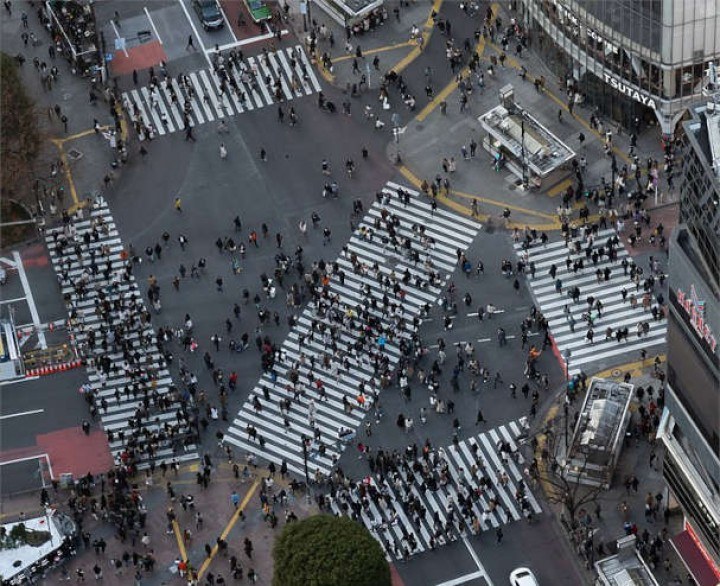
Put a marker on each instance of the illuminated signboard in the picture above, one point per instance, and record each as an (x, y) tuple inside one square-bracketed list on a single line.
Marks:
[(625, 88), (695, 310)]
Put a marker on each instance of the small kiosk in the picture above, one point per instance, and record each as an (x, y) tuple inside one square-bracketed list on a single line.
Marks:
[(359, 15), (518, 142)]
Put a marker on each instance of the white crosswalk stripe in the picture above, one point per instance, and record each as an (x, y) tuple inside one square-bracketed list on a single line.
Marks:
[(414, 504), (568, 320), (139, 406), (371, 273), (289, 67)]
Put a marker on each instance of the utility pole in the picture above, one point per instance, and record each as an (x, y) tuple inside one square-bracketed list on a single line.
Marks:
[(522, 154), (303, 439)]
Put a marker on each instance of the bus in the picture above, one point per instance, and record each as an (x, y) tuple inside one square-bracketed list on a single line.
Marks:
[(259, 11)]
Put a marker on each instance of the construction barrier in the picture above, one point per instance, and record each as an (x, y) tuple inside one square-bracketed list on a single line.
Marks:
[(53, 368)]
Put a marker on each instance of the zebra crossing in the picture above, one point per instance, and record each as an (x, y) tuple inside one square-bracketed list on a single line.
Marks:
[(204, 96), (418, 504), (128, 379), (280, 433), (616, 313)]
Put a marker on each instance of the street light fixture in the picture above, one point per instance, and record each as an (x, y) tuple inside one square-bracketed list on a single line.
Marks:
[(522, 154), (566, 404), (303, 439)]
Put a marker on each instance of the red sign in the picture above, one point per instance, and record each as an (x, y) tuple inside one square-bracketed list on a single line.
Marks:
[(695, 309), (701, 549)]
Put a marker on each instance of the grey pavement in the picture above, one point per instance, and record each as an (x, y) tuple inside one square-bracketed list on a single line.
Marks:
[(71, 93), (282, 191), (642, 459)]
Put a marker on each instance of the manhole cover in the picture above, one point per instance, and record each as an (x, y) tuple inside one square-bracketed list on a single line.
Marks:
[(74, 154), (67, 97), (616, 372)]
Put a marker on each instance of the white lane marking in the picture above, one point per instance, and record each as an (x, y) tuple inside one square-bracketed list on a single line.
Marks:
[(195, 31), (117, 36), (476, 559), (227, 22), (22, 414), (42, 342), (152, 24), (463, 579)]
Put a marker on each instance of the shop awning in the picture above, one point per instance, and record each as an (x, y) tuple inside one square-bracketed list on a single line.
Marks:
[(695, 559)]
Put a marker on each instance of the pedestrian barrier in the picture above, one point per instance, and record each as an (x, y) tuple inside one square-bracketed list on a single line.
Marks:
[(53, 368)]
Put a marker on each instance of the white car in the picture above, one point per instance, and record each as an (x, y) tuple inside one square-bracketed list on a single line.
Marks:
[(523, 577)]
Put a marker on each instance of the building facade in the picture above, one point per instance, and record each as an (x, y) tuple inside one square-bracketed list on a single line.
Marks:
[(690, 424), (641, 62)]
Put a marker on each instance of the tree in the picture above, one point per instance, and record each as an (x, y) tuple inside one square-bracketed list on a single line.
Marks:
[(324, 550), (20, 136), (550, 471)]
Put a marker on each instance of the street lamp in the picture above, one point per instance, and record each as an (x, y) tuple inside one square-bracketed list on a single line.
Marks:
[(522, 153), (304, 11), (303, 439), (566, 404)]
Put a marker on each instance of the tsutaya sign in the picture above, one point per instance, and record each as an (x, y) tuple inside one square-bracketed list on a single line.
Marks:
[(695, 309), (629, 91)]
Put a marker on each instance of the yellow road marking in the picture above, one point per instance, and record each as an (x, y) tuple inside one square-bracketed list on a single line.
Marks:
[(512, 62), (452, 204), (503, 205), (635, 368), (559, 188), (329, 77), (228, 528), (374, 51), (452, 86), (449, 88), (427, 32), (632, 367), (77, 135), (66, 168), (180, 541)]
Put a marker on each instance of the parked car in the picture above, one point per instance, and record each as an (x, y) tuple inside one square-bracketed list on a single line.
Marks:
[(523, 577), (209, 14)]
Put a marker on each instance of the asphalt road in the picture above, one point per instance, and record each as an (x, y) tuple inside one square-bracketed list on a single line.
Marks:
[(280, 192)]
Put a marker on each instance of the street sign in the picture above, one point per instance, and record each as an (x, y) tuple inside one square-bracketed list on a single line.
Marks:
[(120, 44), (108, 57), (303, 8)]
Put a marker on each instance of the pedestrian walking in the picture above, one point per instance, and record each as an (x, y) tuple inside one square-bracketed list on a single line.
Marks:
[(263, 155), (178, 204), (248, 547), (190, 44), (499, 535), (223, 151)]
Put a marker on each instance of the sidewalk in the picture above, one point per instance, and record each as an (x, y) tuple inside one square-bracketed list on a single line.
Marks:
[(216, 509), (390, 42), (623, 502), (86, 156)]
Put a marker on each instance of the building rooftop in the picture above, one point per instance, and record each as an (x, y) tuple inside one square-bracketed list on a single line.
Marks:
[(544, 152), (629, 570), (704, 128), (597, 439)]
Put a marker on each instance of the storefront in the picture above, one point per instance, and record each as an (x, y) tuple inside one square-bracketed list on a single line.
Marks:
[(359, 16), (630, 61)]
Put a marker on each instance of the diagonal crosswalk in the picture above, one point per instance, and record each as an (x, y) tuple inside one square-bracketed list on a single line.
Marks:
[(362, 316), (603, 279), (129, 383), (214, 94), (411, 505)]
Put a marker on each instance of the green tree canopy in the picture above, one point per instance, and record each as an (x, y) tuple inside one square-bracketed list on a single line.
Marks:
[(328, 551), (20, 136)]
